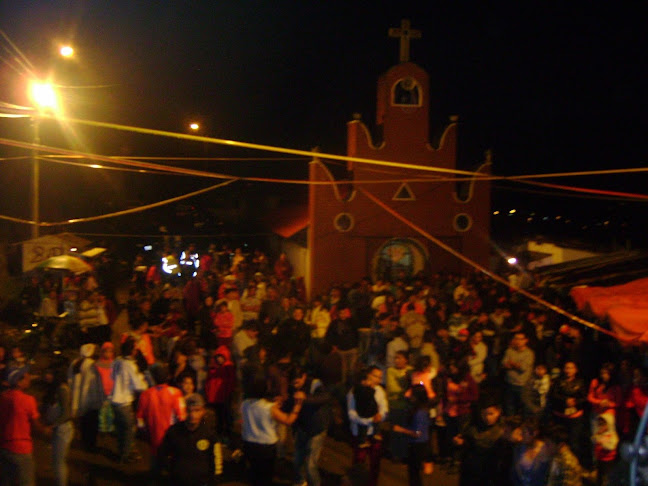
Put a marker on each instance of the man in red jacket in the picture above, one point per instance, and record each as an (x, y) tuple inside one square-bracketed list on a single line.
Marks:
[(19, 413), (159, 407)]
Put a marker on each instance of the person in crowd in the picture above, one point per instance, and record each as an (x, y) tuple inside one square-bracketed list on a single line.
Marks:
[(418, 432), (604, 394), (536, 391), (232, 297), (318, 318), (397, 343), (568, 397), (128, 381), (518, 365), (309, 430), (58, 415), (443, 344), (187, 383), (250, 303), (342, 334), (246, 337), (477, 356), (190, 449), (260, 416), (206, 322), (158, 408), (637, 398), (93, 329), (460, 394), (86, 395), (423, 374), (219, 389), (20, 415), (531, 457), (397, 382), (283, 269), (482, 442), (179, 367), (372, 377), (270, 313), (294, 335), (223, 323), (565, 469), (105, 415), (139, 333), (605, 440)]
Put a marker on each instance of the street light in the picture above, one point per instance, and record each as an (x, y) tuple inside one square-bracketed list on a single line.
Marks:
[(194, 126), (66, 51), (44, 97)]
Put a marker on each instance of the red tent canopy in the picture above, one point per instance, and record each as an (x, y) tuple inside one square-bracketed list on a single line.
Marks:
[(625, 306)]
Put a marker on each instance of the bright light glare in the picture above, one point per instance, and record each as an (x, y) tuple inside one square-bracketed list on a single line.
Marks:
[(194, 126), (66, 51), (74, 249), (512, 211), (512, 260), (95, 166), (43, 95)]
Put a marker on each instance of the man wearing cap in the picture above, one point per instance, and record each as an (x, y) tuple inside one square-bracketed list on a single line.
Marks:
[(19, 413), (189, 449)]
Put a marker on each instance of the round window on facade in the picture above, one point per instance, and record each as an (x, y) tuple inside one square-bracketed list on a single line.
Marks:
[(343, 222), (462, 222)]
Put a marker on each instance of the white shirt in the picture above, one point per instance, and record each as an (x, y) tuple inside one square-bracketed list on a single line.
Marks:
[(383, 408), (258, 425), (128, 380)]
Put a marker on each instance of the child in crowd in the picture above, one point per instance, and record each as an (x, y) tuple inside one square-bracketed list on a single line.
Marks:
[(223, 323), (605, 441), (535, 393)]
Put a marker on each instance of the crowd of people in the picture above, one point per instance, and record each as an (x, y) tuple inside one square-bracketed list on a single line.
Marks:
[(441, 370)]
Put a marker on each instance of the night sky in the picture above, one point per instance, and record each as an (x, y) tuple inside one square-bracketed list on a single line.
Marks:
[(546, 86)]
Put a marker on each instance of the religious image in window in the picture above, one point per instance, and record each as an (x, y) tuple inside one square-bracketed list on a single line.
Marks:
[(407, 92)]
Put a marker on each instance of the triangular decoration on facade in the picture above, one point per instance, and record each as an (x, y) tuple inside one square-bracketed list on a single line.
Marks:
[(404, 193)]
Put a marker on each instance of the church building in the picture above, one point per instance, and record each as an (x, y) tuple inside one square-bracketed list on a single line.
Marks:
[(352, 233)]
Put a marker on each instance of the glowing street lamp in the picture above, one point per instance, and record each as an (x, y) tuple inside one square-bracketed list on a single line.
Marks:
[(45, 99), (194, 126), (66, 51), (43, 95)]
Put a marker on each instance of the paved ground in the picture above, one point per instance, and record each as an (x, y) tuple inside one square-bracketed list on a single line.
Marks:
[(100, 469)]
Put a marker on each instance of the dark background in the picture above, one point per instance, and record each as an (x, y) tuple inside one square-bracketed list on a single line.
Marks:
[(547, 87)]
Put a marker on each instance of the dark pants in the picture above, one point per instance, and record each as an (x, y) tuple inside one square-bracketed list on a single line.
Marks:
[(578, 439), (512, 400), (417, 455), (261, 462), (373, 453), (125, 429), (16, 469), (89, 425)]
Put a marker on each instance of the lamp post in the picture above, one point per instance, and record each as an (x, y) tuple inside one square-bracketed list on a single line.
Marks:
[(44, 97)]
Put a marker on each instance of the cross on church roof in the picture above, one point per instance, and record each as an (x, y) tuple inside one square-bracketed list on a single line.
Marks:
[(405, 33)]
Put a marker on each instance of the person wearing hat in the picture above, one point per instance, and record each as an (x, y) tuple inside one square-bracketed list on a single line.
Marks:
[(86, 395), (19, 414), (190, 449)]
